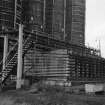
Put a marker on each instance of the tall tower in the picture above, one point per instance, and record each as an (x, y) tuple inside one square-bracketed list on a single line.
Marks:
[(75, 21), (65, 20)]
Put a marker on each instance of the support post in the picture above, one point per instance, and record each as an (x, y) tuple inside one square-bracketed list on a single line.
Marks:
[(19, 66), (5, 50), (5, 53)]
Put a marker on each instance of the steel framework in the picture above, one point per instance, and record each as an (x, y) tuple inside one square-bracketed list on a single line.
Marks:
[(77, 63)]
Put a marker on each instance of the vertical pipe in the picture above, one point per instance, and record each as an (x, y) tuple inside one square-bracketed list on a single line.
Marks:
[(19, 66), (64, 19), (5, 50), (44, 15), (71, 20), (15, 13), (53, 2)]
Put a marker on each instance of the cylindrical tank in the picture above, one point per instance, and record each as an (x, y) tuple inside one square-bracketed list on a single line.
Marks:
[(75, 21), (78, 21), (10, 14), (33, 14), (55, 18)]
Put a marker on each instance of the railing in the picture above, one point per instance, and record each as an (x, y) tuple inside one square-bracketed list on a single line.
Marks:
[(11, 54), (86, 51), (76, 49)]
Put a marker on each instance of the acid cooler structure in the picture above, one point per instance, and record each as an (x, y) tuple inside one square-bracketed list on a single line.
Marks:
[(51, 45)]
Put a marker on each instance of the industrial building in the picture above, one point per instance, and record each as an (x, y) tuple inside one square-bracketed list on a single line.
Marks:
[(45, 39)]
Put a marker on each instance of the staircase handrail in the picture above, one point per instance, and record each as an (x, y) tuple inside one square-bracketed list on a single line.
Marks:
[(8, 54), (1, 63)]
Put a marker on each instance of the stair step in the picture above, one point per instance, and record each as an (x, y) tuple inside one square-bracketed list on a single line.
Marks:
[(9, 66), (11, 63), (13, 60), (7, 70)]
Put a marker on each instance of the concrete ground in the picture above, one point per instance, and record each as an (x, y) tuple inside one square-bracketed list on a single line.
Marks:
[(22, 97)]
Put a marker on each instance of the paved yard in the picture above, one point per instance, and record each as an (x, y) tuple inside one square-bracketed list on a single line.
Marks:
[(49, 98)]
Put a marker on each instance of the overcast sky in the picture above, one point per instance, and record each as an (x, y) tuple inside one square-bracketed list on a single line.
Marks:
[(95, 24)]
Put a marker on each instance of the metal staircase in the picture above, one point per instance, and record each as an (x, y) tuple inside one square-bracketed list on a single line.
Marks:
[(11, 59)]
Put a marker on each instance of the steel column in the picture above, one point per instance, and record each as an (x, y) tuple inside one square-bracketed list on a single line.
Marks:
[(5, 50), (20, 63)]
